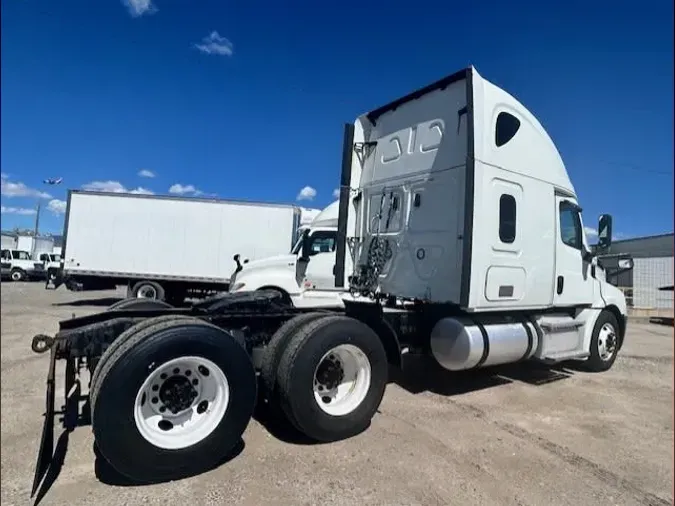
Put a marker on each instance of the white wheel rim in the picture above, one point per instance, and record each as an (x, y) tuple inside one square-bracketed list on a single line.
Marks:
[(342, 380), (196, 418), (146, 292), (16, 276), (606, 342)]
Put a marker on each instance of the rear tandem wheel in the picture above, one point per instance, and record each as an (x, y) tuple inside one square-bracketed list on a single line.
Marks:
[(332, 377)]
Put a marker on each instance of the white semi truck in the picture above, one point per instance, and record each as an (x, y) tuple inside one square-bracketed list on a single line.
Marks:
[(459, 236), (166, 248), (305, 281)]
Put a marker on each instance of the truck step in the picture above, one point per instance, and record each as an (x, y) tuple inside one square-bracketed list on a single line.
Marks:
[(552, 324), (558, 357)]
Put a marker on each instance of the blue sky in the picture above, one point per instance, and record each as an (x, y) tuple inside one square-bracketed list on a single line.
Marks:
[(247, 100)]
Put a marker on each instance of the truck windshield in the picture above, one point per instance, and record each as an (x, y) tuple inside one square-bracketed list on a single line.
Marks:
[(20, 255)]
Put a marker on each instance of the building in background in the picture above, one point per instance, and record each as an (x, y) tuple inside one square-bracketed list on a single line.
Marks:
[(9, 241), (645, 285), (26, 242)]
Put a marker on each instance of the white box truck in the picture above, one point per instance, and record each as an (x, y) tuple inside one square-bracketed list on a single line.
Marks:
[(459, 237), (164, 247)]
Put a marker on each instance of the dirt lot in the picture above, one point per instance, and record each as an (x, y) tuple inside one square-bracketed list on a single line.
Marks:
[(512, 436)]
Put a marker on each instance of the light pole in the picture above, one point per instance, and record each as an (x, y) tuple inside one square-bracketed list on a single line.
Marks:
[(36, 230)]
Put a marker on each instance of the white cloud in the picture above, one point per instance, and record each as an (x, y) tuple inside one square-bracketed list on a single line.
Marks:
[(3, 175), (11, 189), (188, 189), (138, 8), (307, 193), (17, 210), (141, 191), (591, 232), (57, 206), (215, 44), (146, 173), (114, 187), (336, 193)]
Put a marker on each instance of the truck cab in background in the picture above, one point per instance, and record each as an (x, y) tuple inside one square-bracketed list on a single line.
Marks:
[(305, 277), (18, 265)]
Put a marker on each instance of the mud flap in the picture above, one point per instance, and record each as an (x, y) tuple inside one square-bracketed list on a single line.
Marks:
[(54, 279), (46, 451)]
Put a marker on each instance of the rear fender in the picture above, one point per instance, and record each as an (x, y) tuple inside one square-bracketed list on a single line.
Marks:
[(371, 315)]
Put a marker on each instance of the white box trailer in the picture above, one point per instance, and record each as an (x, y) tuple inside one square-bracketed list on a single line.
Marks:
[(166, 247)]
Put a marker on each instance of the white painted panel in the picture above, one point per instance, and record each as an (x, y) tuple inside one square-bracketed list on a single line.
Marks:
[(421, 150), (171, 237), (25, 243), (8, 242)]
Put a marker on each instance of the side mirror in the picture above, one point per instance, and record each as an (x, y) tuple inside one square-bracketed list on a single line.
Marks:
[(604, 231), (306, 245)]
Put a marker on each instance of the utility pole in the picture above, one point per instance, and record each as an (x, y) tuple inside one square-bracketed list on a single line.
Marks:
[(36, 230), (37, 220)]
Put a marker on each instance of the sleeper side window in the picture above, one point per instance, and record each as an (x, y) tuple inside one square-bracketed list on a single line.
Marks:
[(570, 226), (507, 218), (506, 127)]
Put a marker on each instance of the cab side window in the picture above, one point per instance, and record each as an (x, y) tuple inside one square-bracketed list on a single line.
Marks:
[(571, 233), (322, 242)]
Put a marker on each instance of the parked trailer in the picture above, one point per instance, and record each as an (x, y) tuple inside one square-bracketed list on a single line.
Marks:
[(473, 279), (163, 247)]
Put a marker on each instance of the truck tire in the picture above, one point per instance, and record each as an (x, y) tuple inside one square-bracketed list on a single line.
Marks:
[(604, 343), (121, 341), (146, 290), (139, 304), (274, 350), (18, 274), (172, 401), (325, 354)]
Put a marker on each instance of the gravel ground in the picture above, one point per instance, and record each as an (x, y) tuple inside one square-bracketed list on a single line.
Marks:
[(523, 435)]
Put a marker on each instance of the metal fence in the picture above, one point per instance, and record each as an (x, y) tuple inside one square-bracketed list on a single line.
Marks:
[(645, 297)]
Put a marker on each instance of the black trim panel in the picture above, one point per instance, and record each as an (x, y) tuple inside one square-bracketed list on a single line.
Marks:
[(343, 209), (467, 235), (65, 228), (486, 345), (530, 341), (438, 85)]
